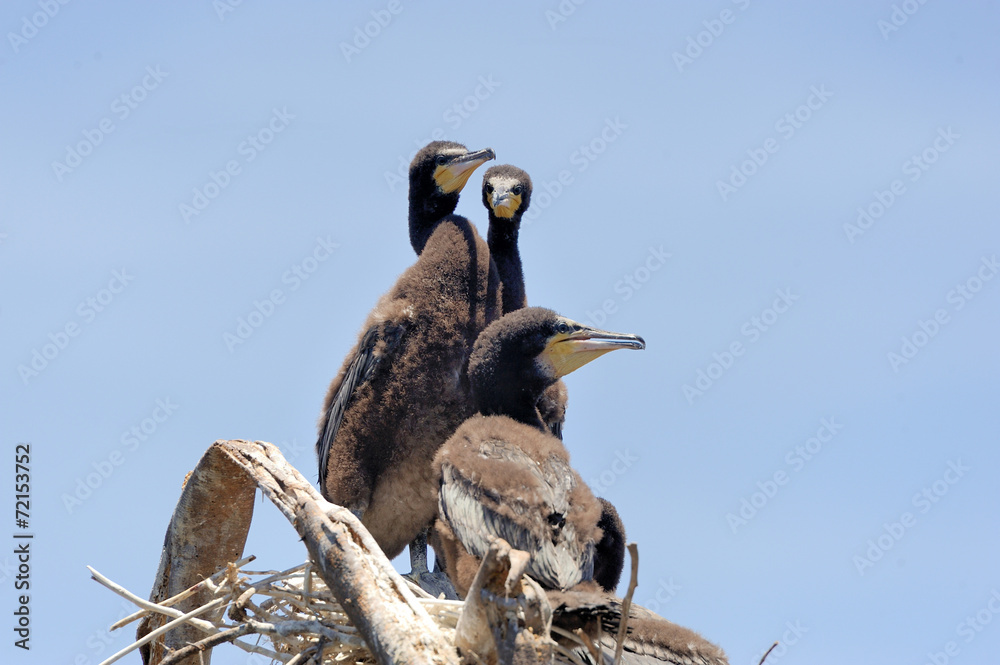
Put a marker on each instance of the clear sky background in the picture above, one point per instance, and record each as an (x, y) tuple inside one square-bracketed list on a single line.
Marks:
[(700, 172)]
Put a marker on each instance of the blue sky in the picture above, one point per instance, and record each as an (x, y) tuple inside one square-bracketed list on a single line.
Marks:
[(795, 206)]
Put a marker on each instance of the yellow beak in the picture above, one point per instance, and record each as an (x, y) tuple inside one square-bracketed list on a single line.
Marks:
[(570, 351), (504, 203), (451, 177)]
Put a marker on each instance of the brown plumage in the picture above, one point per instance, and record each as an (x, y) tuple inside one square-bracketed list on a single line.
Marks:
[(650, 639), (402, 390), (502, 478), (503, 474), (507, 196), (438, 173)]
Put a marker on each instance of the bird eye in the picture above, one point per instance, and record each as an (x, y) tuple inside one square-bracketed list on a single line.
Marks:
[(517, 189), (441, 160), (489, 188), (562, 328)]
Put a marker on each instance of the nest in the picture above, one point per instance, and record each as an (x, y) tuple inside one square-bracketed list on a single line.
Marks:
[(345, 605), (293, 610)]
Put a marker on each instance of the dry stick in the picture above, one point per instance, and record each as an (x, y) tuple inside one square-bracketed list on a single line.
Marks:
[(633, 551), (767, 653), (191, 590), (252, 648), (285, 574), (585, 638), (303, 656), (164, 628), (206, 626), (207, 643), (572, 657), (283, 629), (148, 606)]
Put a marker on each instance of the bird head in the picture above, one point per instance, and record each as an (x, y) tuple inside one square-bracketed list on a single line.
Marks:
[(445, 166), (506, 192), (524, 352)]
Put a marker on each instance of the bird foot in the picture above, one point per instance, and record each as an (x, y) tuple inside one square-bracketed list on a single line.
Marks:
[(435, 583)]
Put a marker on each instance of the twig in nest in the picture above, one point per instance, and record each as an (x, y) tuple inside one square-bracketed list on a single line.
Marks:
[(594, 651), (307, 656), (238, 610), (149, 637), (191, 590), (767, 653), (148, 606), (633, 552), (208, 643)]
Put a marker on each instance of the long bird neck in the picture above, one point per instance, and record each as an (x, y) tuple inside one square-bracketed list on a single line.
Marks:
[(502, 241), (425, 213), (512, 397)]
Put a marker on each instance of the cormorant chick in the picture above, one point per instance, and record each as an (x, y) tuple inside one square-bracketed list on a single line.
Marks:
[(402, 390), (437, 175), (503, 474), (507, 196)]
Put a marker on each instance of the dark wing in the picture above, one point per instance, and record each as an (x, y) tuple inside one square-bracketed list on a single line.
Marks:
[(476, 514), (366, 361)]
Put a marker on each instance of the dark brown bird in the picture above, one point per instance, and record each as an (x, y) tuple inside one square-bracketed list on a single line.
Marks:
[(503, 474), (437, 175), (507, 196), (402, 390)]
